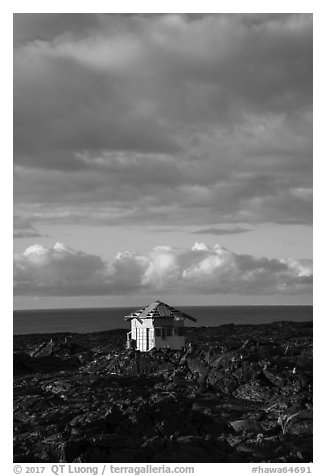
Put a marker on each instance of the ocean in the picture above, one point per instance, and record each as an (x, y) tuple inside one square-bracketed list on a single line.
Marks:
[(42, 321)]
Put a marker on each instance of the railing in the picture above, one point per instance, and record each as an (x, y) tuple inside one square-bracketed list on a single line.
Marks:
[(128, 343)]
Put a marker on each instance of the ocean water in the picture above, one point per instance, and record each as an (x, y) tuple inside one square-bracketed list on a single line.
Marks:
[(99, 319)]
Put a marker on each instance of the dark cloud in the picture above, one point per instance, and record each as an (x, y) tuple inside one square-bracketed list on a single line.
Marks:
[(23, 228), (132, 194), (221, 231), (28, 27), (168, 113), (60, 270)]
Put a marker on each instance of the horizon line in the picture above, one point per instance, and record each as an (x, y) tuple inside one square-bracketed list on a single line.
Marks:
[(187, 305)]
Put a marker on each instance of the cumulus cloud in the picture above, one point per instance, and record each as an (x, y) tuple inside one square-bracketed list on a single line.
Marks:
[(62, 271), (204, 112), (58, 271)]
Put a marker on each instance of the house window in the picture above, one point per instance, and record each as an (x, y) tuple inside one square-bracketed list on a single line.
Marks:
[(158, 332), (180, 331), (169, 331)]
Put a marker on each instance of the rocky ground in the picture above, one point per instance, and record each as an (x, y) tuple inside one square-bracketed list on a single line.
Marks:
[(234, 394)]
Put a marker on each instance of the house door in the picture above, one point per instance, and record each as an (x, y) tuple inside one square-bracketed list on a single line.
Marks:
[(147, 338), (163, 333)]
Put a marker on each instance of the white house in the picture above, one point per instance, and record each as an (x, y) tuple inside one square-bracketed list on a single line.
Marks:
[(157, 325)]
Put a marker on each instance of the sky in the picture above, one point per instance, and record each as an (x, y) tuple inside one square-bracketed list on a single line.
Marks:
[(162, 157)]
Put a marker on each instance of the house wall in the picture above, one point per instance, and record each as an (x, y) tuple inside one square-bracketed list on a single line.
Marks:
[(144, 334), (172, 342), (145, 339), (146, 323)]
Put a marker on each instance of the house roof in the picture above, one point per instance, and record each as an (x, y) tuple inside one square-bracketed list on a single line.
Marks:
[(158, 309)]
